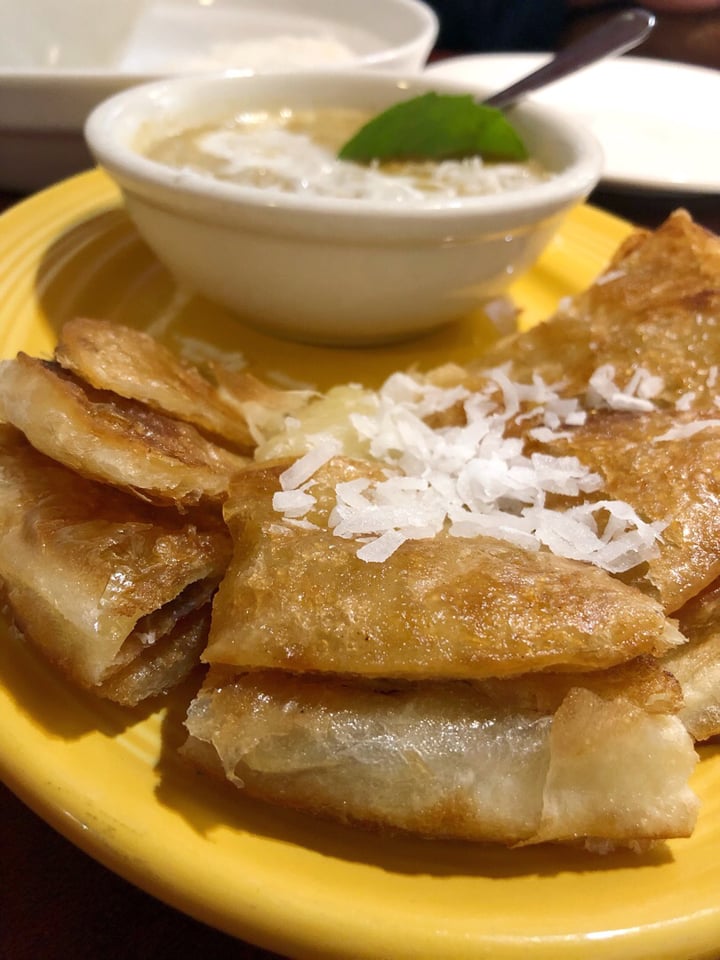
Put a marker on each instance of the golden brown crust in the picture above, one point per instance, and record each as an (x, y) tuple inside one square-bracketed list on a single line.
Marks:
[(675, 481), (135, 365), (655, 305), (95, 578), (105, 437), (300, 599)]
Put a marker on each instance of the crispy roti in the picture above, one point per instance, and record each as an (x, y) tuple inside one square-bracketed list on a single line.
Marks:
[(297, 597), (655, 305), (136, 366), (106, 437), (115, 592), (605, 759)]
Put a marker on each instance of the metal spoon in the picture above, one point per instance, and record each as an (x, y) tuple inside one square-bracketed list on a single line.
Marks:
[(621, 33)]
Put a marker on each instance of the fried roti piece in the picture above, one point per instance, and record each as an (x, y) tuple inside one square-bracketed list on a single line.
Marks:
[(655, 306), (105, 437), (697, 668), (115, 592), (136, 366), (667, 466), (297, 597), (548, 760)]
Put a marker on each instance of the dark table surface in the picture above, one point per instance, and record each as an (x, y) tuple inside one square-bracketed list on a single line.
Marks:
[(56, 903)]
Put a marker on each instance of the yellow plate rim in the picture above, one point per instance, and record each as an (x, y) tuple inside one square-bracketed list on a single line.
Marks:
[(101, 778)]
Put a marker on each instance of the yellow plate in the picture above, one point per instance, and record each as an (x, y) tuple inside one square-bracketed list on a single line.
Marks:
[(110, 779)]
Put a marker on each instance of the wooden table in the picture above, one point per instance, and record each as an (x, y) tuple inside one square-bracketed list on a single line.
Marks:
[(56, 903)]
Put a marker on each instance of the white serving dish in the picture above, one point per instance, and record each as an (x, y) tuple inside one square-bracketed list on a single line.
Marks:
[(324, 269), (58, 59), (652, 117)]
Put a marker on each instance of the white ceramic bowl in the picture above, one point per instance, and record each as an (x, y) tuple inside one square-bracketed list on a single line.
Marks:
[(58, 59), (322, 269)]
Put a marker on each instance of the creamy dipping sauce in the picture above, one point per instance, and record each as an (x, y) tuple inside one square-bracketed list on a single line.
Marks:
[(296, 152)]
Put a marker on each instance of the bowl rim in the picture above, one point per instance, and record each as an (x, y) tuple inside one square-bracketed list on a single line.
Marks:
[(134, 171)]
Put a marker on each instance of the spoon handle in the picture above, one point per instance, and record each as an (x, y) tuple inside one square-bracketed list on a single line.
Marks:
[(621, 33)]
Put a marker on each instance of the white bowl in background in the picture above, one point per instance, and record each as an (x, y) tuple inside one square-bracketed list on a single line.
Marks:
[(58, 59), (319, 268)]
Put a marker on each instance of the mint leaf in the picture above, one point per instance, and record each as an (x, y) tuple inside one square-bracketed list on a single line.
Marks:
[(436, 126)]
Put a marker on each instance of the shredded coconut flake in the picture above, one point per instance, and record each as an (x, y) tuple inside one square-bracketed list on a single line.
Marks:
[(636, 396), (685, 401), (293, 503), (473, 479), (301, 523), (683, 430), (306, 466), (609, 277)]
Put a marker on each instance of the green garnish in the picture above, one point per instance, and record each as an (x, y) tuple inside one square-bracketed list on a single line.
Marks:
[(436, 126)]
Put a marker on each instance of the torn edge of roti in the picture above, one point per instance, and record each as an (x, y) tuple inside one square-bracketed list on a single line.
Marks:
[(474, 479)]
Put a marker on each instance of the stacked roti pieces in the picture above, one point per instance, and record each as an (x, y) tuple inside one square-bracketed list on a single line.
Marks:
[(480, 603), (449, 612), (111, 536), (410, 693)]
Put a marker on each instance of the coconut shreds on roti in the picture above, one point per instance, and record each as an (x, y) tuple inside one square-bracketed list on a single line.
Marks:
[(445, 606), (655, 307), (297, 597), (670, 473)]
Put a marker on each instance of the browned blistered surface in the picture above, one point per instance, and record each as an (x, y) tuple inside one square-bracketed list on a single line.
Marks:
[(84, 565), (676, 481), (136, 366), (443, 607), (656, 305), (106, 437)]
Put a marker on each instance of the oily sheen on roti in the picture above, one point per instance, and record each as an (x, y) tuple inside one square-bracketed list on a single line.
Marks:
[(113, 591), (655, 306), (559, 759), (106, 437), (134, 365), (299, 598)]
